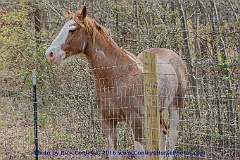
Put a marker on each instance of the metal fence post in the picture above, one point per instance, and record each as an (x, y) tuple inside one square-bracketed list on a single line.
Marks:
[(34, 78)]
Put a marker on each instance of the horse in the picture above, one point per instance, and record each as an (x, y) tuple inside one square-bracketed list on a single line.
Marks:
[(118, 79)]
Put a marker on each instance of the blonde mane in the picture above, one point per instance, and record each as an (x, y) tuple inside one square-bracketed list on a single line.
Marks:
[(90, 25)]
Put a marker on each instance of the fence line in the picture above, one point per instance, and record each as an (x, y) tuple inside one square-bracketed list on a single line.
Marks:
[(67, 118)]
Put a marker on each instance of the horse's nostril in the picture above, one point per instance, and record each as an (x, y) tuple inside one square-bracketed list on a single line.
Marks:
[(51, 54)]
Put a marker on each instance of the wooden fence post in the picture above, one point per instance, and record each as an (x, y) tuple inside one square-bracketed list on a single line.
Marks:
[(151, 103)]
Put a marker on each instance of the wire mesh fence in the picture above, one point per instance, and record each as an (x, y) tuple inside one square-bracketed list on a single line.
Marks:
[(69, 126)]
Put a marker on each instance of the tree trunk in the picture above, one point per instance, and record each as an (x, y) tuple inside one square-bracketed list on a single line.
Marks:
[(186, 50), (37, 26), (215, 69)]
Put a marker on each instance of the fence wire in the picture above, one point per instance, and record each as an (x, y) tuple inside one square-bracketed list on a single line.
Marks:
[(69, 126)]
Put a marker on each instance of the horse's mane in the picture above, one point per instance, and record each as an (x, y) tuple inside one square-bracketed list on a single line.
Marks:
[(90, 25)]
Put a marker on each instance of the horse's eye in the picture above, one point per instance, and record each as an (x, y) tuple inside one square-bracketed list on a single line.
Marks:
[(71, 31)]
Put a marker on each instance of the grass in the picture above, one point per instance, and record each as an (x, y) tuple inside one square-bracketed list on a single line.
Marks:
[(15, 132)]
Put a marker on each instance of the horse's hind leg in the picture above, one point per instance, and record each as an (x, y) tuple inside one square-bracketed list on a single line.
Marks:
[(173, 131), (109, 128), (163, 133)]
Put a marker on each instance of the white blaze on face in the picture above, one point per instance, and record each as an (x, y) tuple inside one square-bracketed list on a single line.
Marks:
[(54, 53)]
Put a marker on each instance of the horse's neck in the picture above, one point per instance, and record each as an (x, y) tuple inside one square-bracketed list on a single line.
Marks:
[(108, 61)]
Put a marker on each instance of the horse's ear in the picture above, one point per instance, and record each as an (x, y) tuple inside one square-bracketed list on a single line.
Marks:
[(83, 14), (69, 13)]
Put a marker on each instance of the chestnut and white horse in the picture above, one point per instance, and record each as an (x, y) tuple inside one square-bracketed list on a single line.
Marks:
[(119, 79)]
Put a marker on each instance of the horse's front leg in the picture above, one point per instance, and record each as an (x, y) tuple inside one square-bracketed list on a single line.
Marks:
[(109, 128), (136, 125)]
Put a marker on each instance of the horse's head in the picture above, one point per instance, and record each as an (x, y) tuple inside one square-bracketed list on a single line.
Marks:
[(72, 39)]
